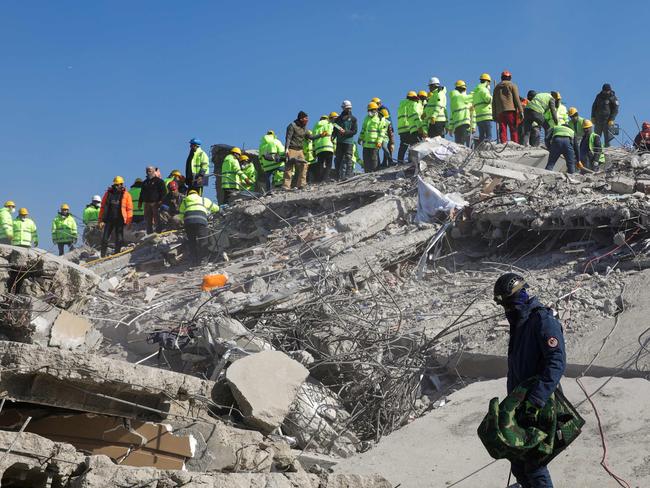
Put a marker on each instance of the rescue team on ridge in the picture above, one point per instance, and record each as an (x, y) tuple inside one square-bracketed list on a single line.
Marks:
[(329, 151)]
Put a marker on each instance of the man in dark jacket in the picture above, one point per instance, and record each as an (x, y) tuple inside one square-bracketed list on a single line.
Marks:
[(345, 128), (297, 132), (152, 193), (604, 111), (507, 110), (536, 348)]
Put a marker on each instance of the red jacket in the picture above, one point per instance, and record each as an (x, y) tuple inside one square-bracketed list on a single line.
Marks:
[(126, 204)]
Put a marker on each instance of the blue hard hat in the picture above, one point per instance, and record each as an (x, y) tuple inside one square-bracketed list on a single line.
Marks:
[(195, 141)]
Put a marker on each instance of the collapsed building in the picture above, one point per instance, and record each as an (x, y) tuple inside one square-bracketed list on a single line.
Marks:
[(348, 312)]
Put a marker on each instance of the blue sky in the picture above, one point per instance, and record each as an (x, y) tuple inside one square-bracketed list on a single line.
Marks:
[(94, 89)]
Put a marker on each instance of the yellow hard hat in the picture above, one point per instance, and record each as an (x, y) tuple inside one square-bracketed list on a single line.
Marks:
[(373, 106), (587, 124), (485, 77), (573, 111), (556, 95), (10, 203), (461, 84), (411, 94), (65, 206), (118, 180), (270, 133), (23, 211), (244, 157), (236, 150), (192, 192), (423, 93), (384, 112), (175, 172), (333, 115)]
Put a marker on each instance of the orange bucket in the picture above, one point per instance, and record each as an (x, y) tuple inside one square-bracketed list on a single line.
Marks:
[(214, 281)]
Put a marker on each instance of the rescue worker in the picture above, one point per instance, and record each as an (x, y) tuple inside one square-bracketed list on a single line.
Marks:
[(308, 150), (416, 117), (232, 177), (91, 212), (115, 212), (590, 149), (562, 143), (435, 112), (7, 222), (461, 122), (177, 176), (297, 132), (170, 207), (576, 122), (345, 128), (562, 117), (197, 166), (248, 168), (507, 108), (536, 348), (604, 111), (538, 106), (642, 139), (388, 137), (64, 229), (271, 152), (151, 196), (134, 191), (194, 211), (482, 102), (25, 233), (371, 138), (423, 97), (405, 118), (323, 131)]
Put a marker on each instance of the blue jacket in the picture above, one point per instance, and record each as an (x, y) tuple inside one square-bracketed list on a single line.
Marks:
[(536, 348)]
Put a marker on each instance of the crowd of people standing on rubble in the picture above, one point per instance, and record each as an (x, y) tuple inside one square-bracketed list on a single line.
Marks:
[(328, 151)]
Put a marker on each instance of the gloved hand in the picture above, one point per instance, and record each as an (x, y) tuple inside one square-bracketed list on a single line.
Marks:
[(610, 122), (530, 414), (378, 145), (580, 165), (100, 225)]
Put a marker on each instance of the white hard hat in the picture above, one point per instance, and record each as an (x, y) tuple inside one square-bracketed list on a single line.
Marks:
[(97, 198), (434, 81), (346, 104)]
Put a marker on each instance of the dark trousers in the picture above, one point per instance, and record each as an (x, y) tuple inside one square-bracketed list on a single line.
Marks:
[(116, 228), (62, 245), (151, 216), (437, 129), (5, 240), (484, 130), (562, 146), (532, 477), (462, 135), (405, 141), (602, 128), (508, 122), (370, 159), (387, 159), (323, 165), (197, 235), (532, 134), (343, 161)]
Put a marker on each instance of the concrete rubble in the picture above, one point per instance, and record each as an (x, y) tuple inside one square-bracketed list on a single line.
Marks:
[(353, 313)]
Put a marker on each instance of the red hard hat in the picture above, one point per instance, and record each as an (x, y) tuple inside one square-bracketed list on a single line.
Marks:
[(172, 185), (506, 74)]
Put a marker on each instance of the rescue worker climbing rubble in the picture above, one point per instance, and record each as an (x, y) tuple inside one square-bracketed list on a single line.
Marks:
[(64, 229), (6, 222), (536, 349)]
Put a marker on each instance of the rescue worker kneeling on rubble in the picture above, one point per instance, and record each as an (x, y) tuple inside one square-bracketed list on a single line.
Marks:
[(170, 207), (115, 212), (64, 229), (536, 348), (591, 150), (563, 143), (194, 211)]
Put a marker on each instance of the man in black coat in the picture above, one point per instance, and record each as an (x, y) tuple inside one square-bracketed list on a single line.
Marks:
[(604, 111)]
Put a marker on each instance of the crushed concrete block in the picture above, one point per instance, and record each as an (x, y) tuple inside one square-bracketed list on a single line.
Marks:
[(505, 173), (622, 185), (73, 332), (642, 186), (109, 284), (149, 294), (265, 385)]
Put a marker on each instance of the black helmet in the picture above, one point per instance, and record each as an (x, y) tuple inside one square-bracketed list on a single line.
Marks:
[(507, 285)]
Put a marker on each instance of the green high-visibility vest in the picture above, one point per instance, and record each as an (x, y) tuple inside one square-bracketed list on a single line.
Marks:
[(482, 101), (6, 224), (323, 131), (371, 131), (563, 131), (200, 162), (540, 103), (562, 115), (231, 173), (385, 124), (436, 109), (91, 214), (403, 112), (134, 191), (601, 157), (576, 125), (195, 208), (25, 233), (461, 109), (308, 150), (415, 117), (270, 146), (64, 229), (251, 172)]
